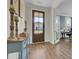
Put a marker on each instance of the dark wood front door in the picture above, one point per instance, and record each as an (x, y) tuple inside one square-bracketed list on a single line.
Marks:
[(38, 26)]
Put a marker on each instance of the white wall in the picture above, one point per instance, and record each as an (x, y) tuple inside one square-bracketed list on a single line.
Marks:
[(8, 19), (29, 8), (21, 23), (52, 27)]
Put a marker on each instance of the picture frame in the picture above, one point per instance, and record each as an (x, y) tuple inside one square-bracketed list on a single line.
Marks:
[(16, 4)]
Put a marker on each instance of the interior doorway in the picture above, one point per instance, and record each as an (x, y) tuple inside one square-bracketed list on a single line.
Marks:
[(38, 20)]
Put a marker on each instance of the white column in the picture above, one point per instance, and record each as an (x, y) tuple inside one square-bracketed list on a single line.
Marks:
[(52, 25)]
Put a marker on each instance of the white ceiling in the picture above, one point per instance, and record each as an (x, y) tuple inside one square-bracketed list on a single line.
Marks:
[(62, 7), (45, 3), (65, 8), (40, 2)]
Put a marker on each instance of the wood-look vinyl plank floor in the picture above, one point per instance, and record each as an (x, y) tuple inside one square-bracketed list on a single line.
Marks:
[(46, 50)]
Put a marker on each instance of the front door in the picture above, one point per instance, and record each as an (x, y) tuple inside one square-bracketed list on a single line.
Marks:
[(38, 26)]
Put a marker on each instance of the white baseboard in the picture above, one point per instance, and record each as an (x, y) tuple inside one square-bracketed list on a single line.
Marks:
[(57, 41)]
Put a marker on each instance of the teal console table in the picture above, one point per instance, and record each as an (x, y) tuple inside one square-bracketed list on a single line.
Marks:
[(19, 46)]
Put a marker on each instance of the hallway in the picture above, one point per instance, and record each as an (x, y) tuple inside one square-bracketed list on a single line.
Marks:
[(62, 50)]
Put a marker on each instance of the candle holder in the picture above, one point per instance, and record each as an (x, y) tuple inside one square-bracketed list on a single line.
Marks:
[(12, 11), (16, 22)]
